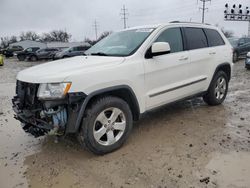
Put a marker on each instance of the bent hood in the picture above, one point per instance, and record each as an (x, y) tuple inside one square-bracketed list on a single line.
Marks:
[(58, 71)]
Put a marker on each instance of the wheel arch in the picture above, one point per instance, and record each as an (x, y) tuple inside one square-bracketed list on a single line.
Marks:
[(225, 67), (123, 91)]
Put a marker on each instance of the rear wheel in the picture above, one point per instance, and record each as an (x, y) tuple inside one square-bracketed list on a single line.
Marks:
[(106, 125), (218, 88), (33, 58), (21, 57)]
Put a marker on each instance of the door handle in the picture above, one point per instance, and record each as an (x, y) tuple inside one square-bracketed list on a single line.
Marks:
[(212, 53), (183, 59)]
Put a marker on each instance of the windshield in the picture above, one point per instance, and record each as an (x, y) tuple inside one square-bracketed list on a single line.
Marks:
[(121, 43)]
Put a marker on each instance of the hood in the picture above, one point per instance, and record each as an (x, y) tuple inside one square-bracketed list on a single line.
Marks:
[(58, 71)]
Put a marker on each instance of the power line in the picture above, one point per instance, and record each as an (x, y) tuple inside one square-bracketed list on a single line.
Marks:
[(124, 14), (203, 8), (96, 28)]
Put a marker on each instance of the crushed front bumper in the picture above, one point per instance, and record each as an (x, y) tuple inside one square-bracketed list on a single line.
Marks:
[(45, 117)]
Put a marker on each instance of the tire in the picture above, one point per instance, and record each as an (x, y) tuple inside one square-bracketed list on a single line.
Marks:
[(218, 88), (235, 57), (21, 58), (113, 132), (33, 58)]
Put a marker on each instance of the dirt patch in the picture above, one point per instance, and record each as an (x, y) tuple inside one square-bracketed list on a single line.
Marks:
[(188, 144)]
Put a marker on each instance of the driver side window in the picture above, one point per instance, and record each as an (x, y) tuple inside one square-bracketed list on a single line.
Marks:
[(174, 37)]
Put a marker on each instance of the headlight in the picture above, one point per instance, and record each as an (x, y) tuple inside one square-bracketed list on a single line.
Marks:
[(53, 90)]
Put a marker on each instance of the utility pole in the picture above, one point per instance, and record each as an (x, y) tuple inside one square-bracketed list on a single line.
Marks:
[(96, 28), (203, 8), (124, 14)]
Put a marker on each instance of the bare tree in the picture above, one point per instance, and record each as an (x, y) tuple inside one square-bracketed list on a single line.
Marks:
[(13, 39), (102, 36), (5, 41), (227, 33), (56, 35), (29, 35)]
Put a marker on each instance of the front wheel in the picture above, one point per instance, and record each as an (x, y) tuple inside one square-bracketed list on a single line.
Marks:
[(106, 125), (218, 88)]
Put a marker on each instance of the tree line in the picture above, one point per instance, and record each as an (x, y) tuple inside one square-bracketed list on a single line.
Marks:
[(53, 36)]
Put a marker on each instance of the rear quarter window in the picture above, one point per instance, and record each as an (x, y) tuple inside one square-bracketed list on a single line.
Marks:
[(214, 38), (195, 38)]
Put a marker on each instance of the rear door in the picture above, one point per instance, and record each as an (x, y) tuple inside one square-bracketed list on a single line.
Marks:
[(42, 53), (218, 51), (200, 56)]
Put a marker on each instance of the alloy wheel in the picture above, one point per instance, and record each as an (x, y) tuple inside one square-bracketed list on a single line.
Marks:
[(109, 126)]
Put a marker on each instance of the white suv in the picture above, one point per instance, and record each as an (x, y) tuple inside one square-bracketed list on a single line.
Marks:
[(100, 94)]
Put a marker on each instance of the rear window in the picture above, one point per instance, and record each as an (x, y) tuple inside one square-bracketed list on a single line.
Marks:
[(195, 38), (214, 38)]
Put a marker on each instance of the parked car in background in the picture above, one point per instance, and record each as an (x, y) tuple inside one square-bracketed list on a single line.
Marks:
[(27, 54), (9, 52), (71, 52), (45, 53), (240, 47), (247, 61)]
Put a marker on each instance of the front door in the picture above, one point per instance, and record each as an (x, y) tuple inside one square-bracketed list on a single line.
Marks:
[(166, 75)]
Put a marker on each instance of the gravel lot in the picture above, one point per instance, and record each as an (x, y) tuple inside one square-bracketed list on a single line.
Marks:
[(188, 144)]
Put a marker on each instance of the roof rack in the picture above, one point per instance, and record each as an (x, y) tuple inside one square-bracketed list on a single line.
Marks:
[(188, 22)]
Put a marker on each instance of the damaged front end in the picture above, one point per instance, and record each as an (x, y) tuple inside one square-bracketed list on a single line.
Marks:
[(40, 117)]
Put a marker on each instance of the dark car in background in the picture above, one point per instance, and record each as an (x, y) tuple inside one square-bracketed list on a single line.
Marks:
[(45, 53), (71, 52), (241, 46), (9, 52), (27, 54)]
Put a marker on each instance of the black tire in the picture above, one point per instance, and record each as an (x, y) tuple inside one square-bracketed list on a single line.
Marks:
[(21, 57), (33, 58), (211, 97), (90, 121), (235, 57)]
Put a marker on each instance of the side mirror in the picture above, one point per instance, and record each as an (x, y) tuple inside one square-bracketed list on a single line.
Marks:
[(158, 48)]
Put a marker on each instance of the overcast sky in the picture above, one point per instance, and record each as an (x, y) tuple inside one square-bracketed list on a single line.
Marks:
[(77, 16)]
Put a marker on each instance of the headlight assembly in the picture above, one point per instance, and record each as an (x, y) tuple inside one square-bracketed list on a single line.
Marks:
[(53, 90)]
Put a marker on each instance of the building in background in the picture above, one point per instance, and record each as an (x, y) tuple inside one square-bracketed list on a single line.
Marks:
[(29, 43), (65, 44)]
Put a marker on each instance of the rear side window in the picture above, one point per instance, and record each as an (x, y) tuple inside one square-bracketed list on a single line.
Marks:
[(214, 38), (195, 38), (173, 37)]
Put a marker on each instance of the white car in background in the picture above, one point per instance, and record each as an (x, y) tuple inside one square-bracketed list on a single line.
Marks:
[(98, 96)]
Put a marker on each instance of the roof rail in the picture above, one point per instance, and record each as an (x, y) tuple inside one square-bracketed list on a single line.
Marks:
[(188, 22)]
